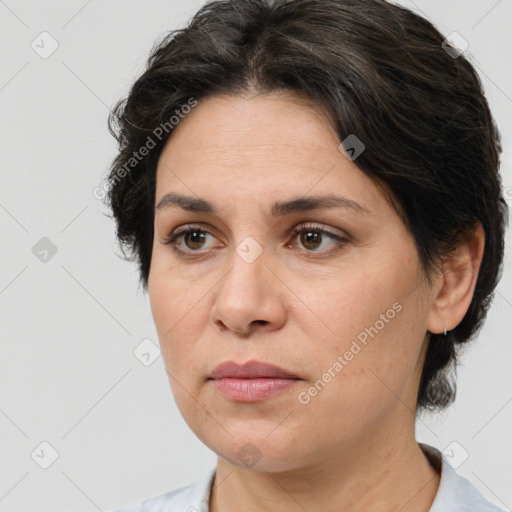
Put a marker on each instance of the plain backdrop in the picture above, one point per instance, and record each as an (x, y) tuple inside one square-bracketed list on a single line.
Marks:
[(72, 316)]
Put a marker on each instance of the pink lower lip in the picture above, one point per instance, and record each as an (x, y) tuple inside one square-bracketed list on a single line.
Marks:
[(252, 390)]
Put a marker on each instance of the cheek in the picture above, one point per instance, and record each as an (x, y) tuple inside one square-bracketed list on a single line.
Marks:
[(372, 318), (168, 304), (179, 305), (164, 306), (169, 292), (348, 301), (171, 314)]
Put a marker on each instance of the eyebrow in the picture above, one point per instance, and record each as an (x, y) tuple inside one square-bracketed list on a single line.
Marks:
[(278, 209)]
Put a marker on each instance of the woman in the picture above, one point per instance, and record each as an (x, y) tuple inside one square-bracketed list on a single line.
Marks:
[(311, 191)]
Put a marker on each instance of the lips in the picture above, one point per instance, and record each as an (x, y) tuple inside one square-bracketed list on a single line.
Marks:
[(253, 381), (250, 370)]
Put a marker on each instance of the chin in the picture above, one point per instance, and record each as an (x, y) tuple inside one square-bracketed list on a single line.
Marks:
[(270, 453)]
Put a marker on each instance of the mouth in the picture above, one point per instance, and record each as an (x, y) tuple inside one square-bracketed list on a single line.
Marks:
[(252, 381), (250, 370)]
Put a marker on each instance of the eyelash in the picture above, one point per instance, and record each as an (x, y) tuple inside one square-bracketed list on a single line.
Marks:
[(174, 238)]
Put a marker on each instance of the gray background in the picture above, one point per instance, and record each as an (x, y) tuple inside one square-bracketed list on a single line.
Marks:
[(70, 323)]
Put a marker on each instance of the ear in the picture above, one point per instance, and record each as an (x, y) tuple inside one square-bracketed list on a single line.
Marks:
[(455, 287)]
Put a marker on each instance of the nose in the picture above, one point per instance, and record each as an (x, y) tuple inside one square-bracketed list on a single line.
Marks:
[(249, 297)]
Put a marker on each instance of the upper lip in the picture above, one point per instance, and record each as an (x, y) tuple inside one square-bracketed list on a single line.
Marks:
[(249, 370)]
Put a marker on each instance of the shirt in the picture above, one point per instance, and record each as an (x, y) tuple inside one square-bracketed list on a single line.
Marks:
[(455, 493)]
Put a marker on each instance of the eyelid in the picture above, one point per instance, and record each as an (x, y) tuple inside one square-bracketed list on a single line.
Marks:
[(315, 226)]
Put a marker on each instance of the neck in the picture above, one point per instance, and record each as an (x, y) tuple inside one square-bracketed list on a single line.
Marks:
[(383, 473)]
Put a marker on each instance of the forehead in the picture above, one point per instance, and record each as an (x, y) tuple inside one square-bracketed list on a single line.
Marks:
[(268, 146)]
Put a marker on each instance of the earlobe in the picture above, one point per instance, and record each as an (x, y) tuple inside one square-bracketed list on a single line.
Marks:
[(453, 294)]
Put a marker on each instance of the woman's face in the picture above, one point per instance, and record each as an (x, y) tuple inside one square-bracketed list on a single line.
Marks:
[(347, 316)]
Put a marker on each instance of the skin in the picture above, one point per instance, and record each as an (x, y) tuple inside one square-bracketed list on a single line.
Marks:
[(298, 305)]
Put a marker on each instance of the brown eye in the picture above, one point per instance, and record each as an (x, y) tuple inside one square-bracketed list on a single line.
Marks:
[(188, 239), (194, 239), (310, 239), (313, 237)]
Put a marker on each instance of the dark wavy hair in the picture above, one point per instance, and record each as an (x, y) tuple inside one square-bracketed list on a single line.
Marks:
[(384, 74)]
